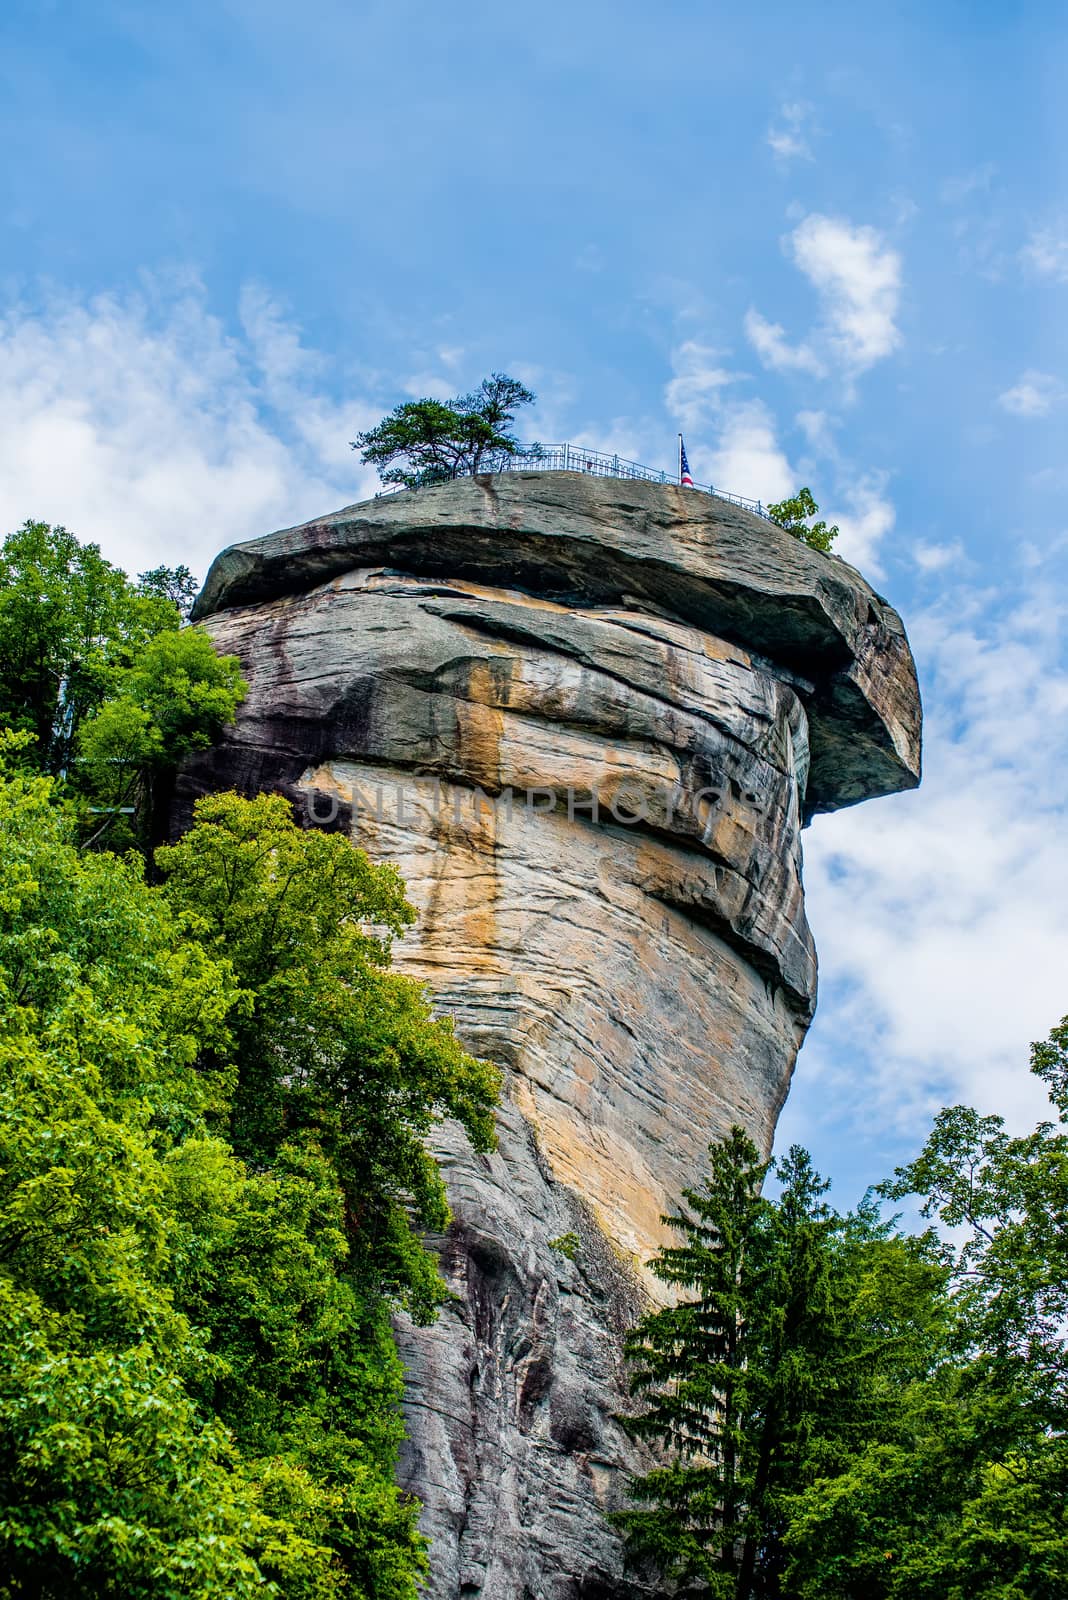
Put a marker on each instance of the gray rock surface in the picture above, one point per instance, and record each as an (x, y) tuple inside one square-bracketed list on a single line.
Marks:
[(587, 719)]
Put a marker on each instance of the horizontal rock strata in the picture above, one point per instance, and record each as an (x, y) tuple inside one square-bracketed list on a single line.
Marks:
[(587, 720)]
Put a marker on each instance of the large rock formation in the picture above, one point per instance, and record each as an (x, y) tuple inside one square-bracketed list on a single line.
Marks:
[(587, 719)]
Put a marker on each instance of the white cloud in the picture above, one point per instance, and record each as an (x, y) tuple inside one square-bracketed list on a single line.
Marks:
[(789, 140), (818, 429), (747, 458), (693, 395), (858, 277), (774, 349), (142, 424), (1034, 395), (868, 515), (428, 385), (869, 518), (942, 915), (1046, 253), (936, 557)]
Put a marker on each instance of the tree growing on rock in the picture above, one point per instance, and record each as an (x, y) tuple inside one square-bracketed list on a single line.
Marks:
[(797, 516), (433, 441)]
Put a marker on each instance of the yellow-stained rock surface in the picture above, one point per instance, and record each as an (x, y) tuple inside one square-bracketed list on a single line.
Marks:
[(587, 720)]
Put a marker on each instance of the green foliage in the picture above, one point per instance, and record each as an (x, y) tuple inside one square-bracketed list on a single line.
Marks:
[(107, 1473), (95, 669), (432, 441), (336, 1048), (176, 584), (961, 1490), (199, 1391), (796, 514), (799, 1329), (68, 621), (175, 698), (567, 1244)]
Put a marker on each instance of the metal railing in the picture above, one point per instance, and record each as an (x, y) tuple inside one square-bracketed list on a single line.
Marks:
[(579, 458)]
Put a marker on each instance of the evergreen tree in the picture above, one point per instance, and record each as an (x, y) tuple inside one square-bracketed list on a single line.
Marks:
[(800, 1322), (690, 1368), (959, 1490)]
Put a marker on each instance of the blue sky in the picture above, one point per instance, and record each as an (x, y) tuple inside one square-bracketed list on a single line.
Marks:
[(831, 243)]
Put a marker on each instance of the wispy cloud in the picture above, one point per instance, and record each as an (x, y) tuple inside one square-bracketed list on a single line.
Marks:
[(747, 457), (142, 424), (743, 454), (693, 396), (934, 557), (955, 191), (1046, 253), (868, 518), (857, 276), (775, 350), (942, 915), (788, 138), (856, 498), (1033, 395)]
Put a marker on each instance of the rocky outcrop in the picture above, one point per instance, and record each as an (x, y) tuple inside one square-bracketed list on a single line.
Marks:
[(587, 719)]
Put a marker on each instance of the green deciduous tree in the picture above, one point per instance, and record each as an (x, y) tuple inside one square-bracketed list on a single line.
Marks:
[(176, 584), (69, 621), (336, 1047), (431, 441), (175, 698), (98, 670), (198, 1383), (797, 515)]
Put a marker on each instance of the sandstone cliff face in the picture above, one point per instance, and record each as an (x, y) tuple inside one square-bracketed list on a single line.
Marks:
[(587, 720)]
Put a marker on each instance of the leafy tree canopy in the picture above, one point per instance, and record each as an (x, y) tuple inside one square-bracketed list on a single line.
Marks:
[(174, 698), (431, 441), (200, 1387), (96, 670), (797, 516), (176, 584), (336, 1047)]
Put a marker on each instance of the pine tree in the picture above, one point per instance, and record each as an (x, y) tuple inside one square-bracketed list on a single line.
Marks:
[(689, 1365), (762, 1378)]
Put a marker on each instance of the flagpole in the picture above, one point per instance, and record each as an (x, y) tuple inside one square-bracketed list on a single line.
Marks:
[(680, 460)]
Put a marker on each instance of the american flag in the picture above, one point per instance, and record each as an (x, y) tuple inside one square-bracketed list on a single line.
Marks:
[(684, 467)]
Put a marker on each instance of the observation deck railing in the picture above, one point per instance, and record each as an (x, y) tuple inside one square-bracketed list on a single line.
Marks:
[(579, 458)]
